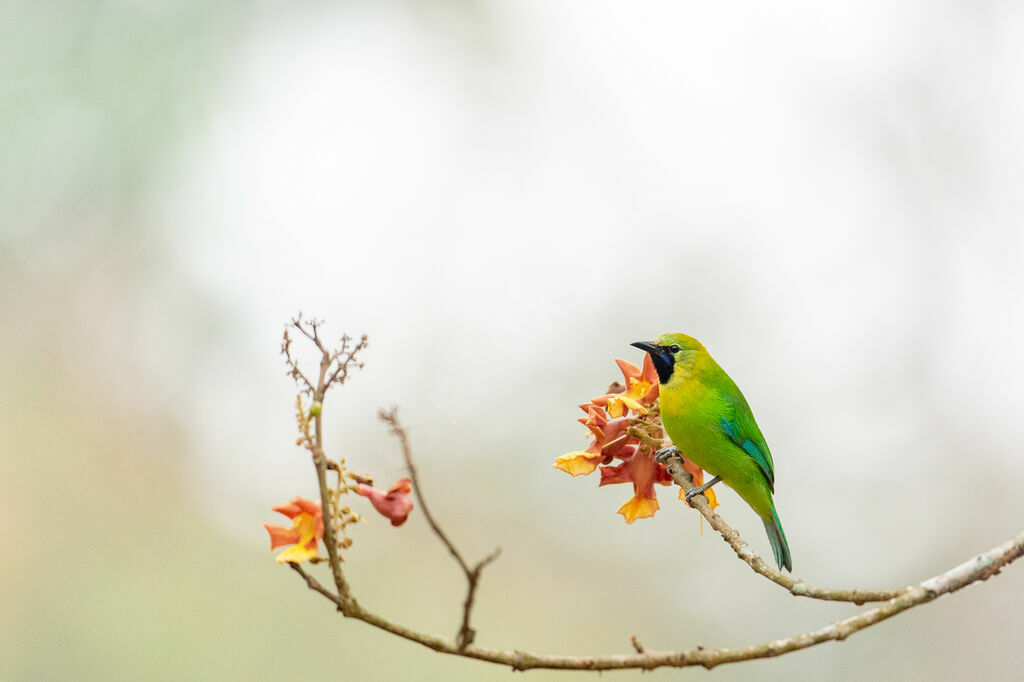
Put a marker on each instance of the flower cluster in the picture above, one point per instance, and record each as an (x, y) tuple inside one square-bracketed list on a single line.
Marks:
[(625, 425)]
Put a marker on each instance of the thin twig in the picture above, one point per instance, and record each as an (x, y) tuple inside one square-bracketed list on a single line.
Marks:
[(330, 535), (293, 368), (309, 328), (314, 584), (344, 358), (466, 634), (637, 646)]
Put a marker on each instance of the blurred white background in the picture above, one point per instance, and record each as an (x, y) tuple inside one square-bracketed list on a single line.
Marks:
[(503, 196)]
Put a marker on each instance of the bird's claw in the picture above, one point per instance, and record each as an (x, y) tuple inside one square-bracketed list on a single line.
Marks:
[(661, 456), (699, 490)]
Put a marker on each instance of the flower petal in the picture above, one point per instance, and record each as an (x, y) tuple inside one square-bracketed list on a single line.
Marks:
[(628, 369), (289, 509), (639, 508), (308, 506), (578, 462), (712, 498), (279, 535), (296, 554)]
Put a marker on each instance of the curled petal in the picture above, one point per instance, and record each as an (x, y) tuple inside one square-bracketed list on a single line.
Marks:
[(619, 405), (596, 420), (578, 462)]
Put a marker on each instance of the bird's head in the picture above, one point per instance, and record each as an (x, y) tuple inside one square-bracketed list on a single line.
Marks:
[(669, 350)]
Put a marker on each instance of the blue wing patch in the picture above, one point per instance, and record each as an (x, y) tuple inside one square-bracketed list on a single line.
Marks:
[(750, 447)]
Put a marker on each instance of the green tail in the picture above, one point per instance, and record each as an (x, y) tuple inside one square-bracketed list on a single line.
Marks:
[(780, 547)]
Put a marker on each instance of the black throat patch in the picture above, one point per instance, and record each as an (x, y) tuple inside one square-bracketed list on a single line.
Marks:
[(664, 363)]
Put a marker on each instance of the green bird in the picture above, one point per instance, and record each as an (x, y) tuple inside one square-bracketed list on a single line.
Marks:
[(709, 420)]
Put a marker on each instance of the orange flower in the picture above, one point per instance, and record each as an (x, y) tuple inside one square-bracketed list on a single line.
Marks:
[(609, 434), (609, 438), (307, 529), (394, 504), (641, 389), (640, 469)]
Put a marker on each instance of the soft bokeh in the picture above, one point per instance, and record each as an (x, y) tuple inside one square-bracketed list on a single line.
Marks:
[(503, 196)]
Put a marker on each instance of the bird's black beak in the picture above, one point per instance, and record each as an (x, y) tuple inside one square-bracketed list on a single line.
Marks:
[(663, 360)]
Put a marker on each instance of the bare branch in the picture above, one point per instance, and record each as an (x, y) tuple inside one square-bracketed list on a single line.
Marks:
[(307, 327), (978, 568), (799, 588), (310, 329), (344, 358), (314, 584), (466, 634), (293, 368)]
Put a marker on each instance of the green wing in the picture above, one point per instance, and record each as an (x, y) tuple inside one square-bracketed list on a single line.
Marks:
[(739, 426)]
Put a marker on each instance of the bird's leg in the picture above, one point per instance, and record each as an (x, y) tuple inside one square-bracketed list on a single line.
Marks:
[(701, 488), (661, 455)]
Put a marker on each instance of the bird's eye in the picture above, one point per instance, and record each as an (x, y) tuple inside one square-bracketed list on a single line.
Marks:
[(673, 349)]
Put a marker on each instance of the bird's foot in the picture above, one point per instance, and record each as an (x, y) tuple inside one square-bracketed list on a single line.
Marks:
[(699, 490), (662, 455)]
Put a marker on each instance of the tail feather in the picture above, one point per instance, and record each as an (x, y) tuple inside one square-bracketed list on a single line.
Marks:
[(777, 538)]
